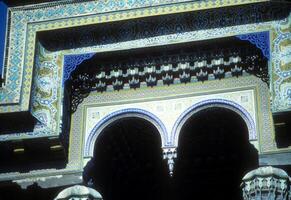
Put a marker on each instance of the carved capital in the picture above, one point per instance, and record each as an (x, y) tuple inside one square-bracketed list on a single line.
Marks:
[(266, 183), (170, 153)]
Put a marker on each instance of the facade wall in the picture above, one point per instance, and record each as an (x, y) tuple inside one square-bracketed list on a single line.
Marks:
[(34, 76)]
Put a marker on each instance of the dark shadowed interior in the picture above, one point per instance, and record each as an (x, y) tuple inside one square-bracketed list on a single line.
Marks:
[(128, 162), (213, 155)]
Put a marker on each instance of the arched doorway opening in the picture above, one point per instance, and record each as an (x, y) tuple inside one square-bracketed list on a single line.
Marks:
[(213, 154), (127, 161)]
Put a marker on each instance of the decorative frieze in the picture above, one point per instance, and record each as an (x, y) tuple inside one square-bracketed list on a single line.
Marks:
[(164, 67)]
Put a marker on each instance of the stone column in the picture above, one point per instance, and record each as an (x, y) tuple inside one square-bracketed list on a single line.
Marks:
[(266, 183), (79, 192)]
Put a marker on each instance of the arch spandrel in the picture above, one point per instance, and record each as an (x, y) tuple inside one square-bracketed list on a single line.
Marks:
[(120, 114), (244, 114), (251, 97)]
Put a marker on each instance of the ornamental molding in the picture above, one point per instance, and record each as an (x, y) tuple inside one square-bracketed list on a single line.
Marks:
[(261, 132), (120, 114), (57, 57), (261, 40), (71, 62), (213, 103), (169, 67), (162, 92), (26, 19)]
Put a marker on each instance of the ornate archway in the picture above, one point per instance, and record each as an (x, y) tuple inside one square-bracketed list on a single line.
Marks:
[(127, 161), (223, 103), (121, 114)]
